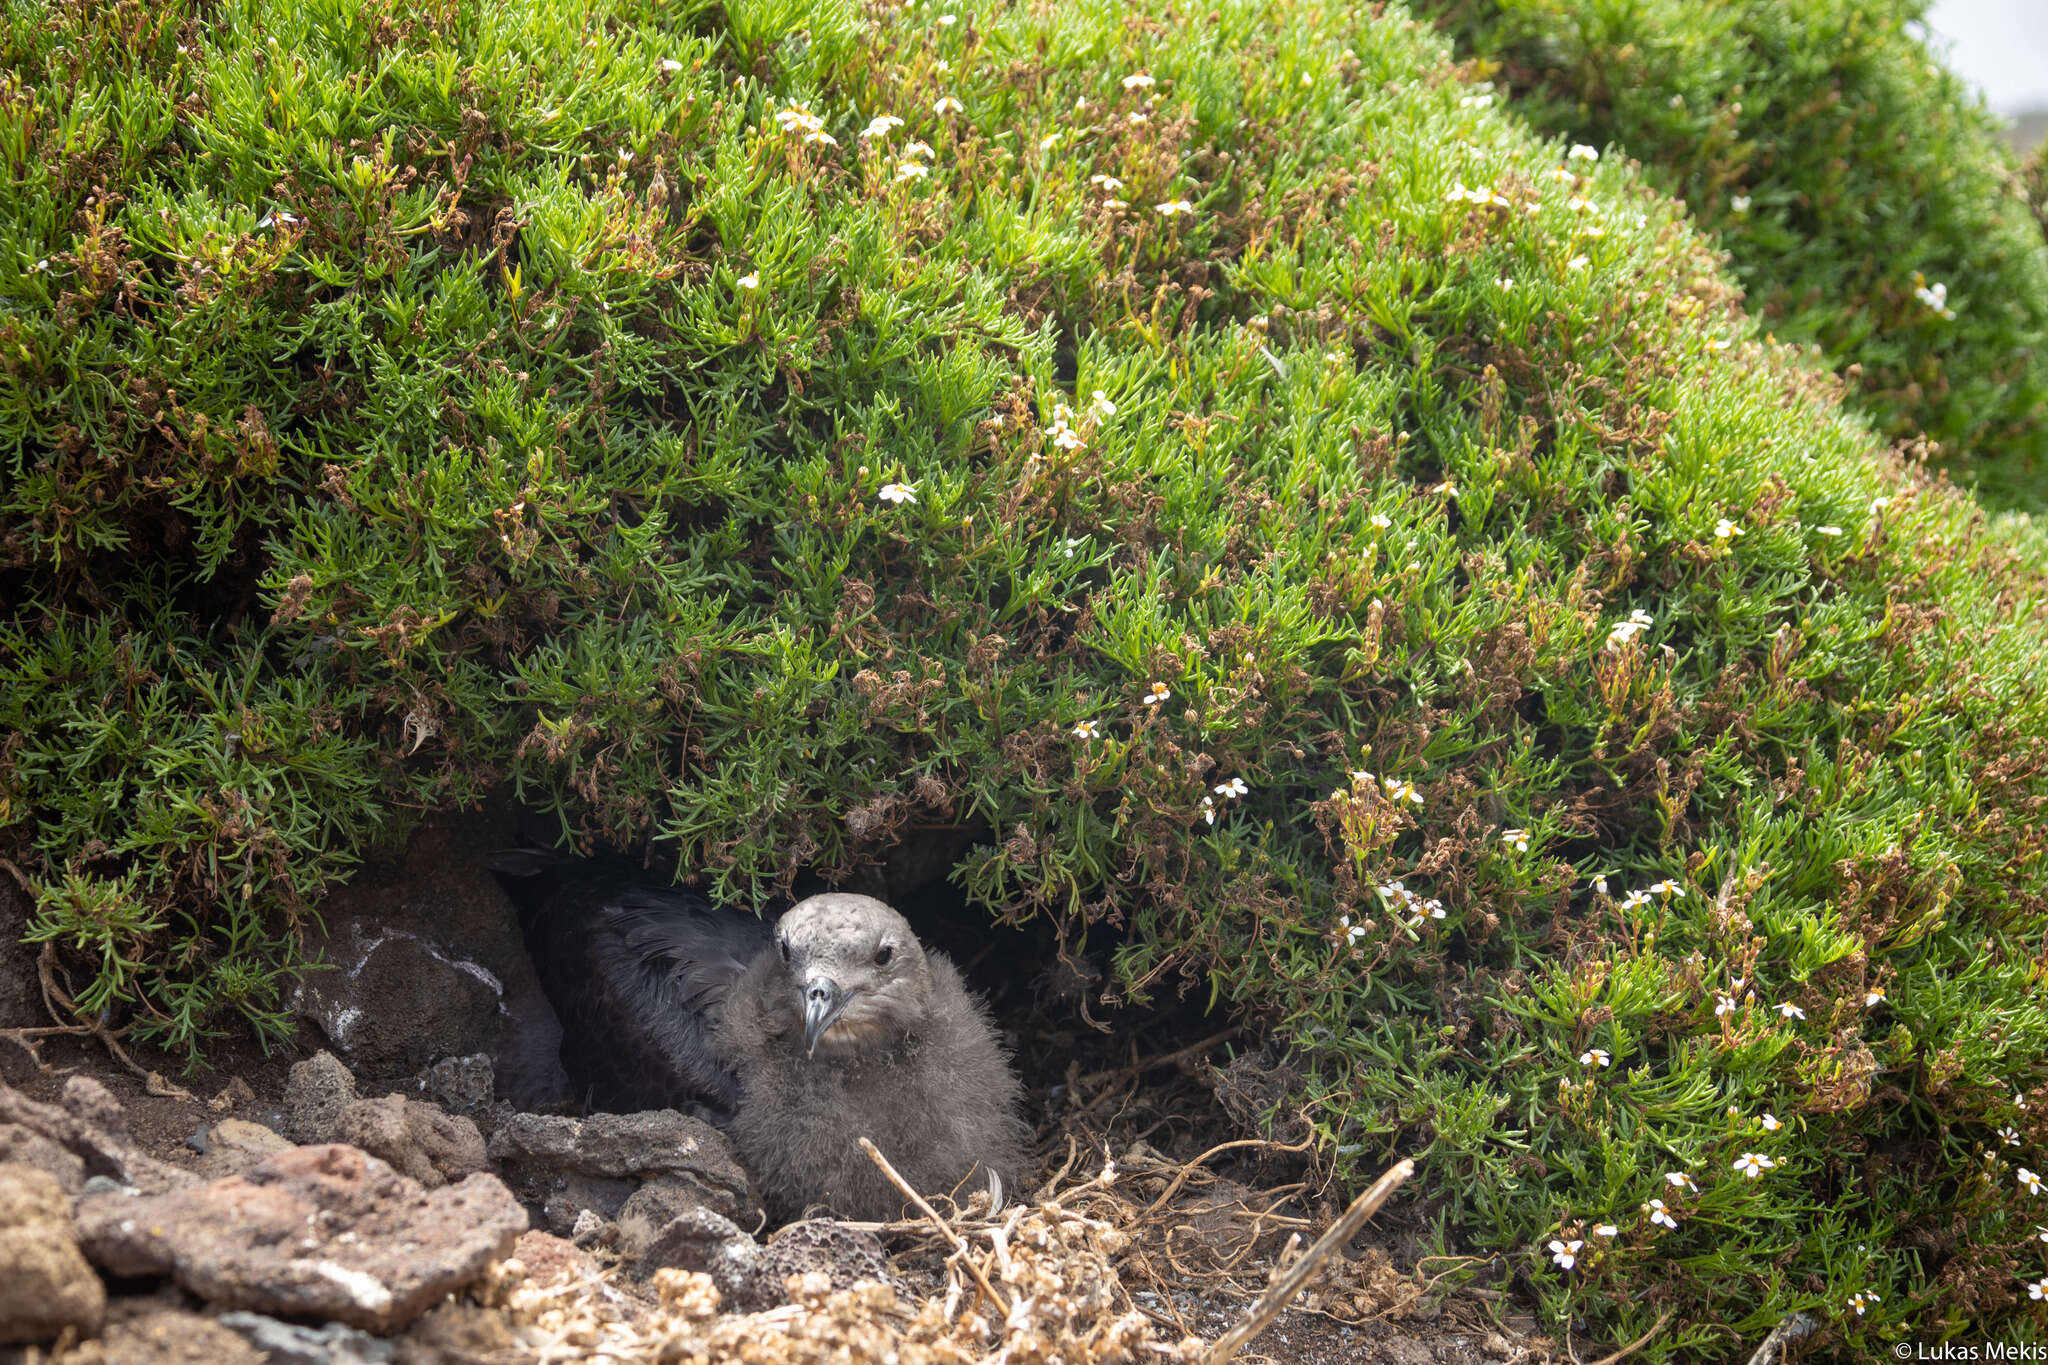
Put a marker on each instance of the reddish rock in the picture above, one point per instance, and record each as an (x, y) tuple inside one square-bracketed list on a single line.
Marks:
[(549, 1260), (416, 1138), (90, 1128), (324, 1232), (45, 1285)]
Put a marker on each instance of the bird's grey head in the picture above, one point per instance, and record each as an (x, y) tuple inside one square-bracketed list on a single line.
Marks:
[(860, 975)]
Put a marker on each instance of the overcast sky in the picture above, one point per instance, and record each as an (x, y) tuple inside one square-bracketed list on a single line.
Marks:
[(2001, 45)]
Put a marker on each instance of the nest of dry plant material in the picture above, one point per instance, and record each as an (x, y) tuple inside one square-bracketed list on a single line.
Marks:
[(1051, 1280)]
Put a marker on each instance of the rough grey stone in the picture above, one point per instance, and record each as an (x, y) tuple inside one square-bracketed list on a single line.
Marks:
[(847, 1256), (541, 1151), (699, 1239), (291, 1343), (397, 1002), (418, 1139), (315, 1093), (460, 1085)]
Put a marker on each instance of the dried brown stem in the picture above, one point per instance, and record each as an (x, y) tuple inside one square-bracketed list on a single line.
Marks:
[(1181, 1177), (945, 1229), (1288, 1285)]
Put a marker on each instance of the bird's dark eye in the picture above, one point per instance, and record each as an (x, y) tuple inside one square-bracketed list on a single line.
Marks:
[(783, 944), (883, 954)]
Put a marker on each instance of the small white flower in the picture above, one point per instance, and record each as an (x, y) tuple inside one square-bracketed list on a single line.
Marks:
[(798, 118), (1479, 101), (1624, 631), (1581, 152), (1577, 263), (1595, 1056), (1209, 810), (1724, 529), (880, 124), (1066, 438), (1233, 789), (1398, 792), (816, 135), (1380, 520), (2038, 1289), (1138, 118), (1172, 207), (1873, 997), (948, 20), (1048, 142), (897, 492), (1577, 204), (1159, 693), (2019, 1100), (2009, 1135), (1138, 80), (1863, 1300), (918, 148), (1086, 730), (1562, 175), (1723, 1005), (1740, 203), (1827, 530), (1504, 283), (948, 105), (749, 281), (1108, 184), (1771, 1123), (671, 65), (2029, 1182), (1791, 1011), (1679, 1180), (1566, 1254), (1659, 1214), (911, 170), (1099, 405), (1753, 1164), (1606, 1230), (1516, 839), (2040, 1234)]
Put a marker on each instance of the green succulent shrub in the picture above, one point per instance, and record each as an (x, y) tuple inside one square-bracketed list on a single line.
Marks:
[(1349, 551), (1867, 201)]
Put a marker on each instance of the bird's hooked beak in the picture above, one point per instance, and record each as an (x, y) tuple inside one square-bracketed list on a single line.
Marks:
[(824, 1001)]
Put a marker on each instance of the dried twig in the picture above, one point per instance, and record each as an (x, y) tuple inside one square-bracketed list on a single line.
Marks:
[(1794, 1329), (958, 1242), (1166, 1059), (1189, 1168), (1288, 1285), (58, 1002), (1615, 1357)]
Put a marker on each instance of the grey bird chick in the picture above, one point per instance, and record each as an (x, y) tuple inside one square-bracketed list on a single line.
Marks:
[(848, 1028)]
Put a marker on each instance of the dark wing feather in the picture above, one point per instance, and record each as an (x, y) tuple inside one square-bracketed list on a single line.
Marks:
[(635, 973)]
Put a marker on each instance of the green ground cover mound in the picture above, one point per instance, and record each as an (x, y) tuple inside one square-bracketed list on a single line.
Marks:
[(1349, 545), (1866, 199)]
